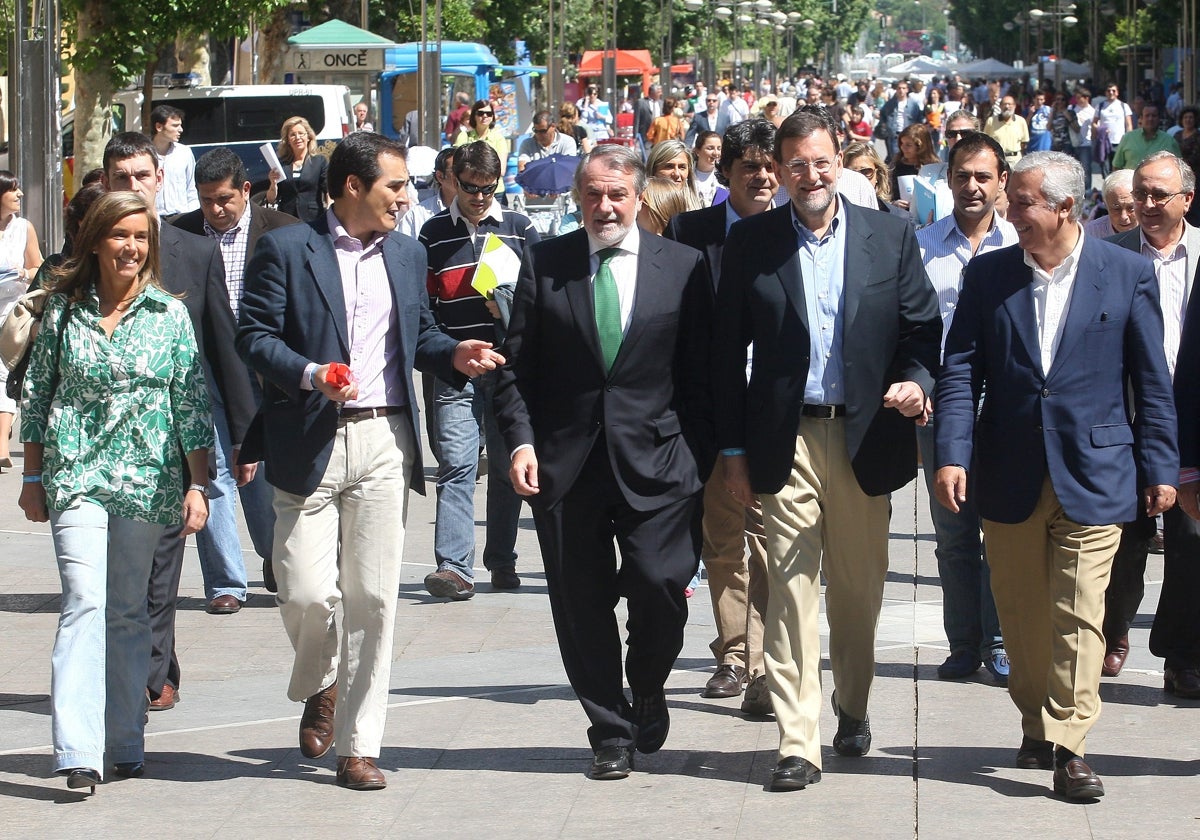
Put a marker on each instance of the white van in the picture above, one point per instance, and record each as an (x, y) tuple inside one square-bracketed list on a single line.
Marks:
[(240, 117)]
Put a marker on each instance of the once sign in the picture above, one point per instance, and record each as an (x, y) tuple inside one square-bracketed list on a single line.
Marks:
[(333, 61)]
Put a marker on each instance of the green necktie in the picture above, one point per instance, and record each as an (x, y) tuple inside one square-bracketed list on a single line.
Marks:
[(608, 308)]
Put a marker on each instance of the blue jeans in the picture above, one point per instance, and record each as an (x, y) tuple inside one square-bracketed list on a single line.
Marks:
[(460, 413), (218, 544), (968, 610), (101, 657), (1084, 154)]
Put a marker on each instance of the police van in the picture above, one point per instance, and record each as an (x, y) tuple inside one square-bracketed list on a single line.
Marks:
[(240, 117)]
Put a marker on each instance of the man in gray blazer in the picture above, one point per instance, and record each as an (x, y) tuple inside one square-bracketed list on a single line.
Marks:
[(1163, 189)]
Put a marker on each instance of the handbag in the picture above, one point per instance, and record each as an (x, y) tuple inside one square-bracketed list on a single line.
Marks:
[(16, 338)]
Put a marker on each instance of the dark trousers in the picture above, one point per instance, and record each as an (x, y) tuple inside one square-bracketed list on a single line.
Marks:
[(163, 595), (1175, 635), (658, 551)]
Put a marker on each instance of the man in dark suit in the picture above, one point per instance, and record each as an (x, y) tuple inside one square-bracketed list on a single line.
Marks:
[(1053, 329), (342, 454), (712, 118), (227, 216), (645, 111), (192, 269), (845, 328), (607, 411), (1166, 185), (737, 582)]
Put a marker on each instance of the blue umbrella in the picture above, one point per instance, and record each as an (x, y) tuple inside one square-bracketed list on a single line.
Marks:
[(549, 175)]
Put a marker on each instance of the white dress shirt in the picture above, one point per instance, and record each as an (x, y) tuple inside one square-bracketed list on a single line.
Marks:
[(1052, 300), (624, 269), (1170, 267)]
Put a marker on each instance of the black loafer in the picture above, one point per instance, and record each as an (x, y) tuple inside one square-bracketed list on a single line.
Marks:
[(652, 720), (611, 763), (1035, 754), (853, 736), (793, 773)]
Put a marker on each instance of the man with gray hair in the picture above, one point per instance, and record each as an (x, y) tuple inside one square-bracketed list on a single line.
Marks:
[(1054, 329), (607, 412), (1163, 189)]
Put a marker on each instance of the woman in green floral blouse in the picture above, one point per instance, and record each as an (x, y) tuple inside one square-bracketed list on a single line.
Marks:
[(113, 395)]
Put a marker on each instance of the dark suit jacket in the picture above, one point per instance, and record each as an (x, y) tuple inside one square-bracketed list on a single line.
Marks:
[(700, 122), (654, 406), (294, 313), (192, 267), (304, 196), (1071, 424), (643, 116), (892, 332), (262, 219), (703, 230)]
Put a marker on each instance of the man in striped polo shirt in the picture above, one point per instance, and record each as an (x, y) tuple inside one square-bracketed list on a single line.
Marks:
[(454, 240)]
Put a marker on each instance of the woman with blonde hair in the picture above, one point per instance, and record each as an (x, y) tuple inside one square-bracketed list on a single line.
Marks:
[(670, 159), (302, 191), (669, 126), (568, 124), (662, 201), (863, 159), (114, 396)]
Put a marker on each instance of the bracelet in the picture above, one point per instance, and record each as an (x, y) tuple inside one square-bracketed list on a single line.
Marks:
[(203, 488), (31, 472), (35, 478)]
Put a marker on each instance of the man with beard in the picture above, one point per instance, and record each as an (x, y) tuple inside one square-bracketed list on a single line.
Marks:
[(605, 406), (1010, 130), (845, 329)]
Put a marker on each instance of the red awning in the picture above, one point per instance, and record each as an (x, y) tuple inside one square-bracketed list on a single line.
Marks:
[(629, 63)]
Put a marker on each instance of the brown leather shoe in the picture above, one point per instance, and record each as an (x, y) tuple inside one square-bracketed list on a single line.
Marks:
[(1035, 754), (316, 724), (1075, 780), (757, 702), (224, 605), (1182, 682), (728, 681), (445, 584), (1114, 657), (166, 700), (359, 773)]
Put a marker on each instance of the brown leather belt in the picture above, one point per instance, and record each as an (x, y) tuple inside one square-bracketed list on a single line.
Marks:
[(353, 415), (822, 412)]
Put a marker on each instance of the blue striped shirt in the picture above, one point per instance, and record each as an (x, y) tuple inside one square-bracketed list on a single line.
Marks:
[(822, 265)]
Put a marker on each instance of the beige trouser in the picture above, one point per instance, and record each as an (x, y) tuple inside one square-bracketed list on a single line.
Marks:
[(343, 543), (821, 519), (1048, 578), (737, 586)]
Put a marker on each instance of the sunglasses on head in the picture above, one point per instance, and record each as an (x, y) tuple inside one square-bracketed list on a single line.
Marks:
[(476, 189)]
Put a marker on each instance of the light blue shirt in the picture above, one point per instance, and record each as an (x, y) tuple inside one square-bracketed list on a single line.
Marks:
[(822, 266)]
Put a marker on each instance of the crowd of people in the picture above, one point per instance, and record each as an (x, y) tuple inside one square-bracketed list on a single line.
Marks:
[(740, 348)]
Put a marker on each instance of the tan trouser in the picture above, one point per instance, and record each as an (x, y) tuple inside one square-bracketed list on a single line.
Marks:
[(343, 543), (1048, 578), (738, 588), (821, 520)]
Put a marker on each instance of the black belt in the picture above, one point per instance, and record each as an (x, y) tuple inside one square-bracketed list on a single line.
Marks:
[(1011, 154), (822, 412), (353, 415)]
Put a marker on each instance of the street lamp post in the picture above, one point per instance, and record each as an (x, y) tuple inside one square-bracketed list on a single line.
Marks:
[(1062, 15)]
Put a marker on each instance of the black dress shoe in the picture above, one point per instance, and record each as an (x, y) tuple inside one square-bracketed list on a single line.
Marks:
[(853, 736), (1182, 682), (1075, 780), (611, 763), (1035, 754), (793, 773), (269, 583), (652, 720), (726, 682)]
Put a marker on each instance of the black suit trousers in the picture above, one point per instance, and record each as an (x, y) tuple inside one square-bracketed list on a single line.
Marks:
[(163, 592), (659, 552)]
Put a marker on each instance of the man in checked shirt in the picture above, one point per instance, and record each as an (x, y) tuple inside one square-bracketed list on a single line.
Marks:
[(227, 215)]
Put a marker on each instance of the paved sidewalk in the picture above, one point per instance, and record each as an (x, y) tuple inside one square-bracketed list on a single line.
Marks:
[(485, 739)]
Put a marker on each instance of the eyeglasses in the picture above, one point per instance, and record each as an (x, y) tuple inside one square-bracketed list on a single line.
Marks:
[(712, 101), (1158, 198), (799, 167), (476, 189), (867, 172), (484, 114), (958, 133), (541, 130)]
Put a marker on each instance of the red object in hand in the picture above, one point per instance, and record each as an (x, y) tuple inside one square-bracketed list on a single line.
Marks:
[(338, 375)]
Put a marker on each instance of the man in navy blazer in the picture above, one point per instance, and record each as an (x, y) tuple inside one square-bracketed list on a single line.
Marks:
[(342, 451), (712, 118), (845, 328), (1053, 329), (607, 411)]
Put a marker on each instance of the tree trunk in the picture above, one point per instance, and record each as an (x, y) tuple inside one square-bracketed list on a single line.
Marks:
[(93, 98), (272, 40)]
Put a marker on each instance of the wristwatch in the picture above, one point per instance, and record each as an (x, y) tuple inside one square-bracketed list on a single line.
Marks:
[(203, 488)]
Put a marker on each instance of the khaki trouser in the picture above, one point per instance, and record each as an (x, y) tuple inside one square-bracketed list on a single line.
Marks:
[(821, 520), (1048, 577)]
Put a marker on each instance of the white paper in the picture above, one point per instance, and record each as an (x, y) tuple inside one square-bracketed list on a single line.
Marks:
[(272, 159)]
